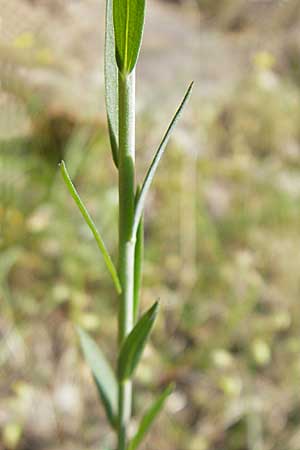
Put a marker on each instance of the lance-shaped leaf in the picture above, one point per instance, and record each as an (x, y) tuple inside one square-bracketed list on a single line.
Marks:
[(149, 418), (134, 344), (152, 169), (108, 261), (138, 264), (129, 16), (103, 375), (111, 81)]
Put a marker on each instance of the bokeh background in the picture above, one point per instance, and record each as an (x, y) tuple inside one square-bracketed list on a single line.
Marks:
[(222, 223)]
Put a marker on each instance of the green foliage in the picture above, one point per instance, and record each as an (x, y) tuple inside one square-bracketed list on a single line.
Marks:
[(149, 418), (140, 203), (108, 261), (103, 375), (134, 344), (124, 32), (129, 18), (111, 82)]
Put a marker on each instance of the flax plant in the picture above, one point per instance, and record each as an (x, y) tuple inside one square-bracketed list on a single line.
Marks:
[(124, 29)]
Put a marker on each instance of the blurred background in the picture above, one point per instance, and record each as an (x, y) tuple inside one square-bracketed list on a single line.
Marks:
[(222, 223)]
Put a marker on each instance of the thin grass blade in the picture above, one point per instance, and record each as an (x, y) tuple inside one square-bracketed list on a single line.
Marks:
[(103, 375), (129, 17), (134, 344), (149, 418), (85, 214), (153, 167), (138, 264), (111, 81)]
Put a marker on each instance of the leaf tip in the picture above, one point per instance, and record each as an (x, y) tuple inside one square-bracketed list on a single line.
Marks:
[(154, 310), (190, 88), (62, 167)]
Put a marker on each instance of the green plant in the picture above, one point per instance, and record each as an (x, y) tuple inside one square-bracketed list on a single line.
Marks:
[(124, 29)]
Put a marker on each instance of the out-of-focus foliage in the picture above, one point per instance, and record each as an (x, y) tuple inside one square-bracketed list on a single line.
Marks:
[(222, 229)]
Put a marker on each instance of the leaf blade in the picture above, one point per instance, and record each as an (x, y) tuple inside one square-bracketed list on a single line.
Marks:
[(149, 418), (103, 375), (140, 204), (155, 162), (111, 82), (129, 17), (89, 221), (134, 344)]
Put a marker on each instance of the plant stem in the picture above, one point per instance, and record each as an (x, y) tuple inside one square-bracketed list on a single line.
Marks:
[(126, 166)]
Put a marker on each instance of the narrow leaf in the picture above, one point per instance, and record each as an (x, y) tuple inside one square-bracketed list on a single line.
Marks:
[(149, 418), (108, 261), (153, 167), (103, 375), (134, 344), (111, 81), (129, 16), (138, 265)]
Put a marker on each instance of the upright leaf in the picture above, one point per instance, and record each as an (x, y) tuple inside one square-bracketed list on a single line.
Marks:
[(138, 264), (111, 81), (134, 344), (103, 375), (149, 418), (129, 16), (152, 169), (89, 221)]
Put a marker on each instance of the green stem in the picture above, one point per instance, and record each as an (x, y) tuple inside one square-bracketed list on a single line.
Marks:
[(126, 166), (138, 266)]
